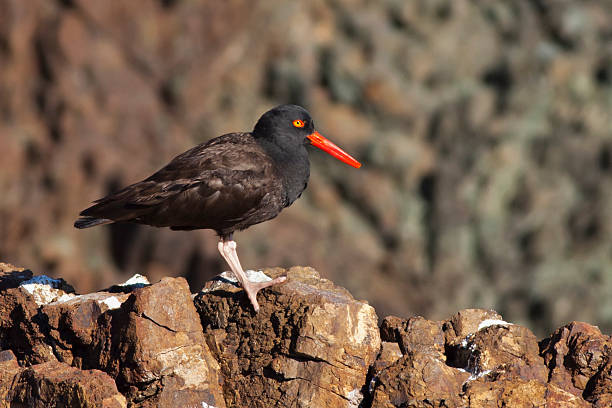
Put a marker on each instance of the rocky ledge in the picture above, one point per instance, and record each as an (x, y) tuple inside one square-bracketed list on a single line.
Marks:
[(311, 345)]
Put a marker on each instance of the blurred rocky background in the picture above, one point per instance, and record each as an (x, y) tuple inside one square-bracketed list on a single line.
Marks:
[(484, 129)]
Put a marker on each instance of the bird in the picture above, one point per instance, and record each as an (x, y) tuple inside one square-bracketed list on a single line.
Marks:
[(225, 184)]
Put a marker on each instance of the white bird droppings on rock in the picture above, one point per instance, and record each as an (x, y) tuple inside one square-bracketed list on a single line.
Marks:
[(476, 376), (65, 297), (492, 322), (112, 302), (355, 397), (257, 276), (227, 276), (45, 290), (137, 279)]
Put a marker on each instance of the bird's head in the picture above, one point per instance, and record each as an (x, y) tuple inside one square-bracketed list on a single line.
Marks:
[(292, 126)]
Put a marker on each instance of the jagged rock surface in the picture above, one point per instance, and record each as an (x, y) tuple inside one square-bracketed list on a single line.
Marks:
[(148, 339), (475, 359), (579, 358), (312, 344), (56, 384)]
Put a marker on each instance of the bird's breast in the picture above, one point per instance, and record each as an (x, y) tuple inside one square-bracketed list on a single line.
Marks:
[(295, 183)]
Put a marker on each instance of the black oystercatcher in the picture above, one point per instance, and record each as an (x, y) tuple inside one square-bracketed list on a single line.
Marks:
[(226, 184)]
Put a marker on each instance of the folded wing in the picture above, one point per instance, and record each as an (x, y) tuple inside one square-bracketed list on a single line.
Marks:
[(213, 185)]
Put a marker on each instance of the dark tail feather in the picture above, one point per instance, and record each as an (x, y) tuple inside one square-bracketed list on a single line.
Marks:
[(86, 222)]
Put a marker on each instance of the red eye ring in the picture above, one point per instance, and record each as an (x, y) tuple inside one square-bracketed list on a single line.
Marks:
[(298, 123)]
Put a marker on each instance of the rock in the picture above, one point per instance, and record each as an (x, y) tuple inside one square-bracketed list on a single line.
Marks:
[(391, 328), (163, 353), (76, 326), (578, 356), (389, 354), (413, 334), (148, 337), (56, 384), (508, 348), (518, 393), (422, 375), (420, 379), (480, 342), (20, 323), (473, 359), (599, 391), (9, 370), (43, 320), (467, 322), (22, 328), (311, 344)]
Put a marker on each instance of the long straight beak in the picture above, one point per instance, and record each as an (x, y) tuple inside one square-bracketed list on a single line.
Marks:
[(316, 139)]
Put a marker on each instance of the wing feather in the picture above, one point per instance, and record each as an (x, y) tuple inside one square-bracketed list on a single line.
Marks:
[(217, 185)]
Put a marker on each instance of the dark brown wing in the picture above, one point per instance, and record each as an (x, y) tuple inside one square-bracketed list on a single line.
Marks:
[(225, 184)]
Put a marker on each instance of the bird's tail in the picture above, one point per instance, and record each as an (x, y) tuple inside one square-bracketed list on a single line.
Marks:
[(86, 222)]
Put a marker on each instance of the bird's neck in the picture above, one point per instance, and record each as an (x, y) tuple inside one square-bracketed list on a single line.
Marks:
[(293, 168)]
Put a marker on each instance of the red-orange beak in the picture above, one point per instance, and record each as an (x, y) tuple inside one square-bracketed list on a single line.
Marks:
[(322, 143)]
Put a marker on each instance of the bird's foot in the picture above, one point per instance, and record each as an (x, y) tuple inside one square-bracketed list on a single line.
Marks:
[(252, 287)]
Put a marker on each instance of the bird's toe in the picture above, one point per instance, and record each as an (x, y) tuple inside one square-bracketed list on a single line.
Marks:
[(252, 288)]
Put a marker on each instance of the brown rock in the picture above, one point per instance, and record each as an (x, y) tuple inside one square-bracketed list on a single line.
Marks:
[(149, 338), (8, 360), (518, 393), (414, 333), (466, 322), (506, 349), (574, 354), (310, 345), (389, 354), (421, 376), (473, 359), (9, 371), (76, 326), (56, 384), (391, 328), (41, 320), (164, 359), (420, 379), (599, 391), (21, 326)]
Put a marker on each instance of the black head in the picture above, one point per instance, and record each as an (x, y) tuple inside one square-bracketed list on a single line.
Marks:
[(285, 124), (286, 129)]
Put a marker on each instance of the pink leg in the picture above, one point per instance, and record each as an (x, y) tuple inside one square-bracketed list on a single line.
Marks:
[(227, 248)]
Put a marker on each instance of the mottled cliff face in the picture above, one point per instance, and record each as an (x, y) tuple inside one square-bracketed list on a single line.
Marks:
[(484, 129)]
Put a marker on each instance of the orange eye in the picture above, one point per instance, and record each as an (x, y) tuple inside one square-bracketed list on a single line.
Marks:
[(298, 123)]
